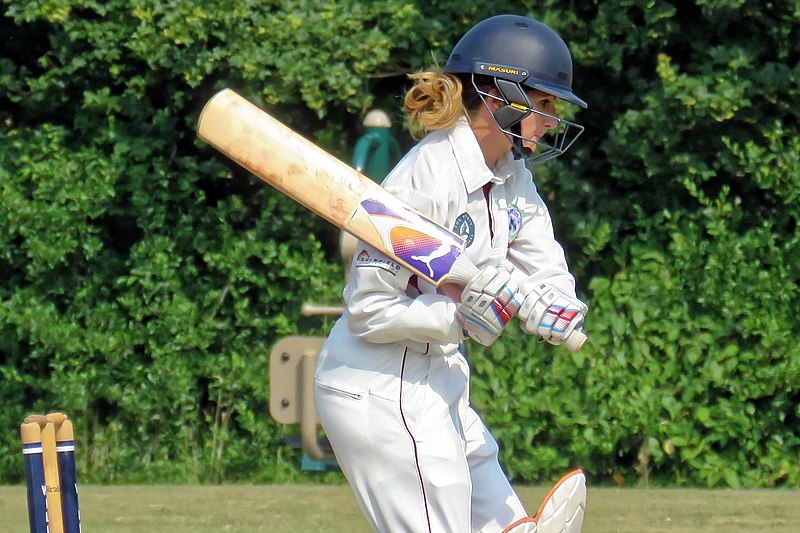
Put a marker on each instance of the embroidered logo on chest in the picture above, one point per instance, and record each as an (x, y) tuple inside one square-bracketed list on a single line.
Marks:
[(465, 227), (514, 222)]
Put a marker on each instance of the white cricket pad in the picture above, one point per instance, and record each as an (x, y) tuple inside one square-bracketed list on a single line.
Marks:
[(561, 511)]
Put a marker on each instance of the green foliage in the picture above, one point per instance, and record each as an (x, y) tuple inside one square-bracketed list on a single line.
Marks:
[(143, 283), (143, 278)]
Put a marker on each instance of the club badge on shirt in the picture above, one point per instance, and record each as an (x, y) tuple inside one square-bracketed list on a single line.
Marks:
[(514, 222), (363, 260), (465, 227)]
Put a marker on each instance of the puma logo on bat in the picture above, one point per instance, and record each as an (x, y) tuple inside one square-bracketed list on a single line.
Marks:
[(441, 251)]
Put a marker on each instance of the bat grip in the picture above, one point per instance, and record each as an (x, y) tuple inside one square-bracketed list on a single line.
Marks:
[(575, 341), (463, 271)]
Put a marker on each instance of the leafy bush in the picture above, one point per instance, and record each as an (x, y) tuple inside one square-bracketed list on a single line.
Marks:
[(143, 279)]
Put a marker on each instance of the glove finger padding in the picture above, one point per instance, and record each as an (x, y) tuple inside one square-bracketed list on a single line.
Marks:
[(489, 282), (487, 304), (551, 313)]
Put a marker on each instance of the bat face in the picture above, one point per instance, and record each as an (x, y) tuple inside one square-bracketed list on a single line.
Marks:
[(329, 187)]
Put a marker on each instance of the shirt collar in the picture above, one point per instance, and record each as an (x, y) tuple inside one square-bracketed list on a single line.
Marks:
[(470, 161), (508, 166)]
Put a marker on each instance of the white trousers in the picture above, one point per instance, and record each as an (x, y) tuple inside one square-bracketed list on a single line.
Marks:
[(417, 456)]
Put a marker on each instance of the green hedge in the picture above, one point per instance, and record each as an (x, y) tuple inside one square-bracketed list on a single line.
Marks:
[(143, 279)]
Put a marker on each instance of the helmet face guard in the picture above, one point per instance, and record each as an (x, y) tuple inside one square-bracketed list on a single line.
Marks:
[(516, 108), (520, 54)]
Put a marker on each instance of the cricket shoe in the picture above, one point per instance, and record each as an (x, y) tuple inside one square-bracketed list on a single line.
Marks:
[(561, 511)]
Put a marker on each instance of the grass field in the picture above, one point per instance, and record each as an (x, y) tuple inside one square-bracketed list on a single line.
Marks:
[(292, 508)]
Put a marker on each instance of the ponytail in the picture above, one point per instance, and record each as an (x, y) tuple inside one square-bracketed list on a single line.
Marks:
[(434, 102)]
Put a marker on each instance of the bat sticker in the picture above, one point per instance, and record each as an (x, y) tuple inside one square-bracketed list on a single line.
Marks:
[(431, 251)]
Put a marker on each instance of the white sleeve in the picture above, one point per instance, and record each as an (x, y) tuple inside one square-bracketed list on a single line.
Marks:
[(536, 254), (380, 311)]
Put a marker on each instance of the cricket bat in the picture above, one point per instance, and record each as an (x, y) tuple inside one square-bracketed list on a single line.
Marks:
[(337, 192)]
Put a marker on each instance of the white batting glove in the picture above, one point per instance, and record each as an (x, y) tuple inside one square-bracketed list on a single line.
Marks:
[(488, 303), (552, 314)]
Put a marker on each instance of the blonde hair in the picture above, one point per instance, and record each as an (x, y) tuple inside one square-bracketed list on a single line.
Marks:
[(434, 102)]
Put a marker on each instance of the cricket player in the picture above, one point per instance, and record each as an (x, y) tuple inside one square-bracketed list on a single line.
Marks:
[(391, 386)]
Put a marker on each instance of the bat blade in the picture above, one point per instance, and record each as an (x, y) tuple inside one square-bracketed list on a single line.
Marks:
[(332, 189)]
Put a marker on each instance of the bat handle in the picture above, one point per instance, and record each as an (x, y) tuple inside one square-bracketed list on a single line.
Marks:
[(462, 272), (575, 341)]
